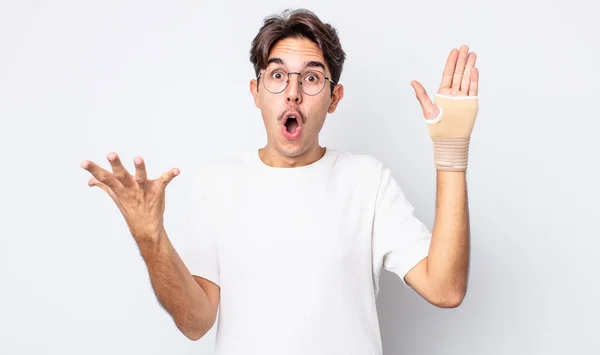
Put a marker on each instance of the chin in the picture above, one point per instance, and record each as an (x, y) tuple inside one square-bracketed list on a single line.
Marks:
[(291, 149)]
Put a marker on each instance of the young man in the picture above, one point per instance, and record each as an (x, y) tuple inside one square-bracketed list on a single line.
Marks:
[(291, 239)]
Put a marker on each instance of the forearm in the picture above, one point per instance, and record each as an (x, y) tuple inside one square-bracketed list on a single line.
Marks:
[(448, 260), (175, 288)]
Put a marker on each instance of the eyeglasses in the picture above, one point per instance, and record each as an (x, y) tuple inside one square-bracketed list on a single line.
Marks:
[(311, 82)]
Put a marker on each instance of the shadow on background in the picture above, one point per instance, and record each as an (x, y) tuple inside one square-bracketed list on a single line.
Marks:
[(499, 315)]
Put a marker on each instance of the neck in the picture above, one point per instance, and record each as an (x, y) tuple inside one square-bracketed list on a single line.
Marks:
[(274, 158)]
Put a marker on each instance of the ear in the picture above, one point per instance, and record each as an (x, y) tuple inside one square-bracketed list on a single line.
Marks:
[(254, 91), (338, 94)]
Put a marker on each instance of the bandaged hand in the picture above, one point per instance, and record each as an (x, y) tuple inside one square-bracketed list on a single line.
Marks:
[(451, 117)]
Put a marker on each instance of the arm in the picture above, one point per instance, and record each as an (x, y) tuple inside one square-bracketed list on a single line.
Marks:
[(192, 302), (441, 278)]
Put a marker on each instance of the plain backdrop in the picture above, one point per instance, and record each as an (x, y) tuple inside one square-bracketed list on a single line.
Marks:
[(169, 81)]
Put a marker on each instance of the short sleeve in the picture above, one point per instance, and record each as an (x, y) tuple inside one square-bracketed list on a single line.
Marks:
[(400, 240), (200, 251)]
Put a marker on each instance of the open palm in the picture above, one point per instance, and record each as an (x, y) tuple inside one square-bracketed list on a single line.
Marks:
[(460, 78)]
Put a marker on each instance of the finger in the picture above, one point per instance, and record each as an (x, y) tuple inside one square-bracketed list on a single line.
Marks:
[(449, 69), (119, 170), (101, 175), (428, 107), (474, 86), (94, 182), (460, 69), (166, 178), (466, 80), (140, 170)]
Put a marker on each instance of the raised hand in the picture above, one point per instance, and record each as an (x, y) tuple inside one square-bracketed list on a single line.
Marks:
[(450, 119), (460, 78), (141, 201)]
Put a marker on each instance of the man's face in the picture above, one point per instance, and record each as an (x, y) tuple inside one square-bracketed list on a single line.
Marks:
[(291, 137)]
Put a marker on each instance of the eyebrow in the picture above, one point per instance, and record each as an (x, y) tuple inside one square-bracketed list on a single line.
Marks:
[(309, 64)]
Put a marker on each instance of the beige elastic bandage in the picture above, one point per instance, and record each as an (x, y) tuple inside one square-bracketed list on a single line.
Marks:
[(451, 131)]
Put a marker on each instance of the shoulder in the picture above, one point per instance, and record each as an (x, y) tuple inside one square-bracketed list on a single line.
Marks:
[(359, 163), (220, 170), (363, 172)]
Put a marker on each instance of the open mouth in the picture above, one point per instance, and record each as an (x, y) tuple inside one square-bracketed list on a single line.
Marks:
[(291, 126), (291, 123)]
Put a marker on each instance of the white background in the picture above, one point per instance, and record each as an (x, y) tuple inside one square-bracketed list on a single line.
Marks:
[(169, 81)]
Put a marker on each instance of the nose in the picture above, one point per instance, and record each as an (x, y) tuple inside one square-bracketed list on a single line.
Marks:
[(293, 92)]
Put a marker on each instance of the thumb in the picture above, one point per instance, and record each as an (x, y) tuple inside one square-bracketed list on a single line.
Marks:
[(430, 111), (166, 178)]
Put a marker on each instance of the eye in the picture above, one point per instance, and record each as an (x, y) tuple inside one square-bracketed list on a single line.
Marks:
[(312, 78), (277, 75)]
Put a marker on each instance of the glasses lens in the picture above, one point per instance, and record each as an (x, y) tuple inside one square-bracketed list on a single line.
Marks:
[(275, 80), (312, 82)]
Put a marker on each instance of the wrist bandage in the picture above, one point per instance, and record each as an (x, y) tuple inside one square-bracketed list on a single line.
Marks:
[(451, 131)]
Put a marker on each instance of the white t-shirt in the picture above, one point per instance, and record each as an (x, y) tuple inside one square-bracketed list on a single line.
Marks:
[(297, 252)]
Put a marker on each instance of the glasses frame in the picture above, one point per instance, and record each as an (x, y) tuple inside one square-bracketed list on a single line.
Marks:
[(299, 83)]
